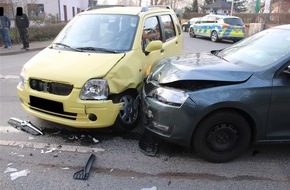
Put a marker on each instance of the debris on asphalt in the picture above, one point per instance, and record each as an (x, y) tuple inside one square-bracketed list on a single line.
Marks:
[(84, 173), (9, 170), (21, 173), (151, 188), (148, 145), (65, 168), (96, 140), (25, 126), (30, 138)]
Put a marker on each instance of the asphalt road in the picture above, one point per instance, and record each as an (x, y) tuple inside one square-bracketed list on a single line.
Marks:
[(52, 159)]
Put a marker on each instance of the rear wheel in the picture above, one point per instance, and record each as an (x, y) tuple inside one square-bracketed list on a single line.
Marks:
[(222, 136), (191, 33), (214, 36), (129, 114)]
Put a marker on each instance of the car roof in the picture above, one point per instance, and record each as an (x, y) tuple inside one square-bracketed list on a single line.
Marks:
[(129, 10), (221, 16), (285, 26)]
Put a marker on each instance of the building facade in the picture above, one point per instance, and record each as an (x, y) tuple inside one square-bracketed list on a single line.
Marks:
[(63, 10)]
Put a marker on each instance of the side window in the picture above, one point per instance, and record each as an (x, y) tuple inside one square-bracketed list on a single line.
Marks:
[(168, 27), (151, 31)]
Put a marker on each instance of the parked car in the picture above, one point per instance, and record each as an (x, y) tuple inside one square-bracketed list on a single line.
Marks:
[(218, 27), (92, 73), (185, 26), (219, 102)]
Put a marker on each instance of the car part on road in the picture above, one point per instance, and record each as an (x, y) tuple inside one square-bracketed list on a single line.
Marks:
[(148, 144), (84, 173), (25, 126)]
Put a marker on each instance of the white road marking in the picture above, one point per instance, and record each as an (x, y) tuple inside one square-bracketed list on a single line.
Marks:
[(39, 145)]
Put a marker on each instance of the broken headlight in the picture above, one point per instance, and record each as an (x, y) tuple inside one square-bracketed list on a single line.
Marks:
[(95, 89), (169, 96)]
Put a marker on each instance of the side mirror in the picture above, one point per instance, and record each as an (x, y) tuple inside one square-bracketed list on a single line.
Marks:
[(153, 46)]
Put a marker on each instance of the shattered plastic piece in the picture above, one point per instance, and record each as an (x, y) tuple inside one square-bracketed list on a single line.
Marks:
[(16, 175), (96, 140), (9, 170), (9, 164), (49, 151), (111, 170), (30, 138), (25, 126), (151, 188), (21, 155), (84, 173), (65, 168)]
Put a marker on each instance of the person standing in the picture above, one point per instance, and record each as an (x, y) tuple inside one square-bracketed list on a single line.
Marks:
[(5, 24), (22, 24)]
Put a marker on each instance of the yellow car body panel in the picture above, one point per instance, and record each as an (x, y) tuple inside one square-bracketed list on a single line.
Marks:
[(73, 68)]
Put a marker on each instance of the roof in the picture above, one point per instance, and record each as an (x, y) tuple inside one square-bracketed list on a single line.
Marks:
[(219, 4), (130, 10)]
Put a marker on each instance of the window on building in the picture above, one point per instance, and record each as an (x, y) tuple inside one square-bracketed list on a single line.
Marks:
[(35, 10)]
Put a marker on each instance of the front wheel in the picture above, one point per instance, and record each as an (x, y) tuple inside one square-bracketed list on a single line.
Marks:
[(214, 36), (222, 136), (129, 114)]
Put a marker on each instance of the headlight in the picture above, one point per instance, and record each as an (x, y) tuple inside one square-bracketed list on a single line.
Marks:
[(169, 96), (95, 89)]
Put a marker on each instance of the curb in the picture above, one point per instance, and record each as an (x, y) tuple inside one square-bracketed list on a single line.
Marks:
[(23, 51)]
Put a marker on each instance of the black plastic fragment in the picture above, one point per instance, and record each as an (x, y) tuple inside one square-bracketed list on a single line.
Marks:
[(84, 173)]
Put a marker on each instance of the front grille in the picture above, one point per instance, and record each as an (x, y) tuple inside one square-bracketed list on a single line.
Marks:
[(50, 107), (51, 87), (148, 87)]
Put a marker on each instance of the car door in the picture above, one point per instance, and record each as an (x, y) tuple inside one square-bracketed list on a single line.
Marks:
[(171, 36), (279, 119)]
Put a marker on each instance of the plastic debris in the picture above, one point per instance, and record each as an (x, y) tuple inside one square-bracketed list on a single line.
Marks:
[(96, 140), (151, 188), (9, 164), (65, 168), (30, 138), (9, 170), (21, 173), (84, 173), (25, 126)]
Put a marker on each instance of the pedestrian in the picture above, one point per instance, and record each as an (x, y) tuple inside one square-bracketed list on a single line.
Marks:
[(22, 24), (5, 24)]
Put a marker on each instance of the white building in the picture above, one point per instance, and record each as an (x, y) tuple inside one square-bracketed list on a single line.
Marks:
[(63, 10)]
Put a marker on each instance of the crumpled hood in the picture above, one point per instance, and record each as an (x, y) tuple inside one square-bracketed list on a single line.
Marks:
[(70, 66), (199, 66)]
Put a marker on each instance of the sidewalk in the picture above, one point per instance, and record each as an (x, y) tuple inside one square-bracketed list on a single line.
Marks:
[(16, 48)]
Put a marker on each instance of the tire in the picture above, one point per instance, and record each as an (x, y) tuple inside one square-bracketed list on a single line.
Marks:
[(191, 33), (222, 136), (128, 116), (183, 29), (214, 36)]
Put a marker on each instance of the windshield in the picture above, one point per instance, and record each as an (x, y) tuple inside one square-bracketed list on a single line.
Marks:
[(259, 50), (99, 32)]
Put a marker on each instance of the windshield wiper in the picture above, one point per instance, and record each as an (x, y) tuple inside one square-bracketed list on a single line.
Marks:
[(97, 49), (216, 53), (67, 46)]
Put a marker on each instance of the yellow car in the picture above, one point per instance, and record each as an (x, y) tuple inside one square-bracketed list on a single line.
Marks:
[(92, 73)]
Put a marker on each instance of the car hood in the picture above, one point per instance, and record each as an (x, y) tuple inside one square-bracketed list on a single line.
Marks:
[(70, 66), (199, 66)]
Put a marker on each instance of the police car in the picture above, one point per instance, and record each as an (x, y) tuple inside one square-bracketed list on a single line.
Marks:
[(218, 27)]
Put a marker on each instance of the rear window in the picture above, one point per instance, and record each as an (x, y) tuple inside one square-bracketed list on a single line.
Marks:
[(234, 21)]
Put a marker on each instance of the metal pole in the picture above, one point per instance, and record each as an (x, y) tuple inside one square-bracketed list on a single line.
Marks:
[(232, 7)]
